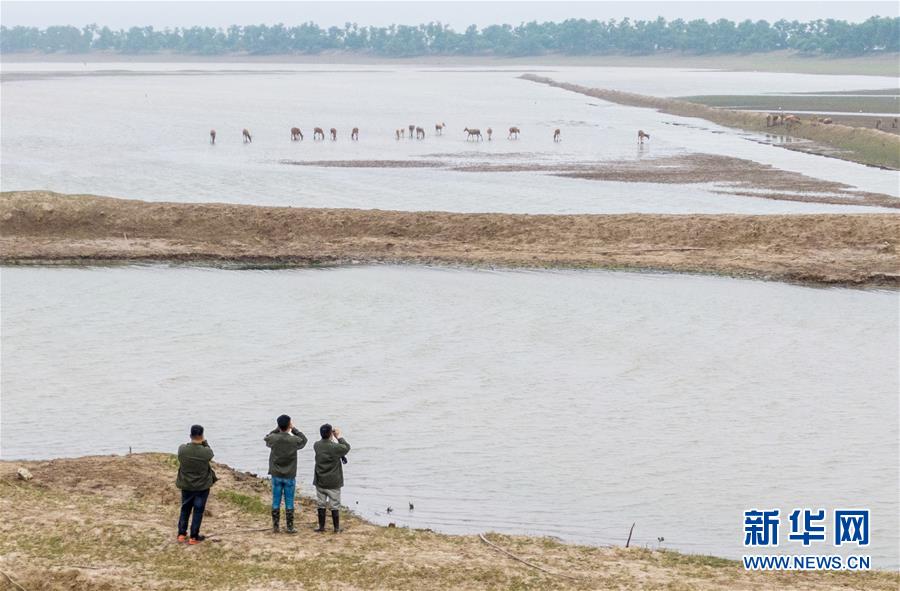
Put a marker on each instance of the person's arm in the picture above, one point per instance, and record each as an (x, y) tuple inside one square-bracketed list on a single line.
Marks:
[(207, 451), (268, 438), (342, 447), (301, 443)]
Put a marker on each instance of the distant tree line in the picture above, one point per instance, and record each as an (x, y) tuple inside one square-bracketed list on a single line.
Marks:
[(574, 37)]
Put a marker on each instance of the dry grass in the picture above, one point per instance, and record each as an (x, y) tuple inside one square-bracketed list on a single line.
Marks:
[(48, 228), (108, 523), (866, 146)]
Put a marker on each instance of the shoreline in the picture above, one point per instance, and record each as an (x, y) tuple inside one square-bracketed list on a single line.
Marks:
[(776, 61), (107, 522), (866, 146), (43, 228)]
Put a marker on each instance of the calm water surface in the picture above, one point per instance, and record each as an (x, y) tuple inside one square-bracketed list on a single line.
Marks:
[(569, 404), (145, 135)]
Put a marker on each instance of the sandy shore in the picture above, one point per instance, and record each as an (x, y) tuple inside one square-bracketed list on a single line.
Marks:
[(48, 228), (108, 523), (866, 146)]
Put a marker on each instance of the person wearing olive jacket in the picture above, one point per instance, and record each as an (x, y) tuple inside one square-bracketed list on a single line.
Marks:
[(329, 474), (195, 478), (284, 443)]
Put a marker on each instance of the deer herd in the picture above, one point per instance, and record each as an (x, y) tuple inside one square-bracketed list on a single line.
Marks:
[(415, 132), (474, 134), (776, 119)]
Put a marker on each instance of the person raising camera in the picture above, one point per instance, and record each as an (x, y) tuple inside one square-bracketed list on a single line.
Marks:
[(328, 477)]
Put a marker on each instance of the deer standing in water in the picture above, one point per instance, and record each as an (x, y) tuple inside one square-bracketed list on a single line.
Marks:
[(642, 136), (439, 128), (296, 134), (878, 124), (246, 134), (556, 133), (397, 133), (420, 133), (513, 131), (474, 134), (318, 134), (489, 132), (212, 136), (333, 134), (412, 130), (354, 134)]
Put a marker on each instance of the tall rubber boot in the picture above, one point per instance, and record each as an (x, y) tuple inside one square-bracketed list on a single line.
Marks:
[(276, 517), (336, 520), (321, 513), (289, 520)]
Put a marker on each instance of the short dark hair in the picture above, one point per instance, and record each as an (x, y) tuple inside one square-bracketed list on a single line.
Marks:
[(196, 430), (325, 431), (283, 422)]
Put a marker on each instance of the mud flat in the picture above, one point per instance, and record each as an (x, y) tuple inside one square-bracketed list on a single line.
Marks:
[(107, 522), (732, 176), (48, 228), (866, 146)]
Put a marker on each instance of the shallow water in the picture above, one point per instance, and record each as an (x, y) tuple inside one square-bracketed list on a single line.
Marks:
[(146, 136), (557, 403)]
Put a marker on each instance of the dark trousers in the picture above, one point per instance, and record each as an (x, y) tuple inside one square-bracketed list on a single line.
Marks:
[(192, 500)]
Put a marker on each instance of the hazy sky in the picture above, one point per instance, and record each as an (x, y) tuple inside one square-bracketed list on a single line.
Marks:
[(456, 14)]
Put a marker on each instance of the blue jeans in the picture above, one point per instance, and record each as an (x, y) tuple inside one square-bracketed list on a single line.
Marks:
[(286, 487), (192, 501)]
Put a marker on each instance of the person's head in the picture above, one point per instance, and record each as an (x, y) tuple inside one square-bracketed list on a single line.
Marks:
[(197, 433), (325, 431), (284, 422)]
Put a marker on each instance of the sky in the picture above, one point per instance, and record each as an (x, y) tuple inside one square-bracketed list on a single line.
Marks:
[(457, 14)]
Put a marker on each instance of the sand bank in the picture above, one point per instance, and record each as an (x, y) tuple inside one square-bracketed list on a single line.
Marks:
[(866, 146), (48, 228), (108, 523)]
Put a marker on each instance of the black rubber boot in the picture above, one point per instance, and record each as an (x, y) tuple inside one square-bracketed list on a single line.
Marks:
[(289, 520), (336, 520), (276, 517), (321, 514)]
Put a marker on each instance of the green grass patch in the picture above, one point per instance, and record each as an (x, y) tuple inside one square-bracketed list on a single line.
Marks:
[(246, 503)]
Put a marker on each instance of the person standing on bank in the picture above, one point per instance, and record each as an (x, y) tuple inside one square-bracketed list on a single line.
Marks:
[(329, 474), (284, 443), (195, 478)]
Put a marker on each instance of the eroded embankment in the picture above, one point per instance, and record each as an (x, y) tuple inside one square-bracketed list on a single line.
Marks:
[(866, 146), (108, 523), (41, 227)]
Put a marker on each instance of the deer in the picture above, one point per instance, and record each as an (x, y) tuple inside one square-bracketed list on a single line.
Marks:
[(212, 136), (894, 123), (412, 130), (318, 134), (513, 131), (296, 134), (790, 120), (556, 133), (246, 134), (397, 133), (420, 133), (354, 134), (473, 134), (489, 133), (333, 134), (439, 128), (642, 135), (878, 124)]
